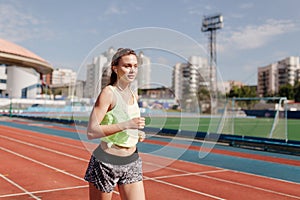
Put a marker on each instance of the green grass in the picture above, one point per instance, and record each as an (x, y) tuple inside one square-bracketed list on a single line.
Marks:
[(258, 127)]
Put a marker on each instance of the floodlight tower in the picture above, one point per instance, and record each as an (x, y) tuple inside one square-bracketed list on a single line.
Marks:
[(211, 24)]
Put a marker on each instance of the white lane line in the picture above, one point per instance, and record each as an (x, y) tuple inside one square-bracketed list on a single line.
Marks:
[(180, 170), (68, 155), (203, 174), (44, 191), (41, 163), (39, 125), (44, 148), (184, 188), (244, 185), (81, 178), (45, 139), (251, 186), (266, 177), (45, 165), (187, 162), (189, 174), (21, 188)]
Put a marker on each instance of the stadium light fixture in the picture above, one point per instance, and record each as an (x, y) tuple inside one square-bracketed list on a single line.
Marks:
[(211, 24)]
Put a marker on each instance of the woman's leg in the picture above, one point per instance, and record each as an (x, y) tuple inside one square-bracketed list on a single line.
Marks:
[(133, 191), (96, 194)]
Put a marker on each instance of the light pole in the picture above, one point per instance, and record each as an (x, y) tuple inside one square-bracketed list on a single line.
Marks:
[(211, 24), (10, 107), (10, 103)]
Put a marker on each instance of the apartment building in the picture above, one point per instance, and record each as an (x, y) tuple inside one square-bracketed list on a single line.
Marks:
[(144, 75), (98, 73), (94, 73), (188, 77), (63, 76), (271, 77)]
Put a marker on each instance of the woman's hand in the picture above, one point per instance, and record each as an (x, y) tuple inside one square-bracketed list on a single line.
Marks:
[(136, 123), (142, 136)]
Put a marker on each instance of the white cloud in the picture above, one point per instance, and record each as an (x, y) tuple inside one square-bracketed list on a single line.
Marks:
[(163, 61), (253, 36), (17, 25), (115, 10), (200, 9), (246, 5)]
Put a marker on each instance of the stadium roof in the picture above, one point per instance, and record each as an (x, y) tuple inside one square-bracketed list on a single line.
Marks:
[(12, 54)]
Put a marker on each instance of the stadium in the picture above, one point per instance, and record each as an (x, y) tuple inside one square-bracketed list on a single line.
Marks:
[(228, 151)]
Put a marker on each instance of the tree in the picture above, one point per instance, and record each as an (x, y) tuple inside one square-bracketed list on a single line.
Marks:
[(204, 102), (247, 91), (243, 91), (297, 92), (234, 92), (287, 91)]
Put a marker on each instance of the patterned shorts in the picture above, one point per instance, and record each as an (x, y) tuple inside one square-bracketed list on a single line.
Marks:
[(106, 176)]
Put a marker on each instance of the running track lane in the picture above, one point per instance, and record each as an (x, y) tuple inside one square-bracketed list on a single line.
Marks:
[(187, 178), (185, 146), (35, 157), (37, 171), (223, 183)]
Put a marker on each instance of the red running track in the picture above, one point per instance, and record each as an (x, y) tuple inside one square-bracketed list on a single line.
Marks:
[(40, 166)]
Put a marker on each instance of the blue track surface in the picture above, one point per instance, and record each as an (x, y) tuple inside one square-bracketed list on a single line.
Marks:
[(259, 167)]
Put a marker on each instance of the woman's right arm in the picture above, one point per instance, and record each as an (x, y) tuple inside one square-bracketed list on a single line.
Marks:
[(104, 103)]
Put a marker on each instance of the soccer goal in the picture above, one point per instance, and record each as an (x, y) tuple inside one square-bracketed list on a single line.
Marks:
[(259, 117)]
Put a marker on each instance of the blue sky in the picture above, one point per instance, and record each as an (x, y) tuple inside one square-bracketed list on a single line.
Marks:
[(255, 33)]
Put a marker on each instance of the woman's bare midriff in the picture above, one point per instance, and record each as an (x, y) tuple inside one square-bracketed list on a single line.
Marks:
[(118, 150)]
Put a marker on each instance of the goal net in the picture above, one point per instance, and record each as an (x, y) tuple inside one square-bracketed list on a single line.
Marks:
[(258, 117)]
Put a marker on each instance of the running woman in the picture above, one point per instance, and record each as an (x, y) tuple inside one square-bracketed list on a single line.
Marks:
[(116, 120)]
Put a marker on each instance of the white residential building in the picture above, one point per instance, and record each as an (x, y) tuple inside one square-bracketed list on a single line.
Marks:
[(98, 73), (63, 77), (266, 83), (271, 77), (187, 78), (144, 74), (94, 73)]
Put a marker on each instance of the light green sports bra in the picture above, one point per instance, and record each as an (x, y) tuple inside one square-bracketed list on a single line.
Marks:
[(121, 112)]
